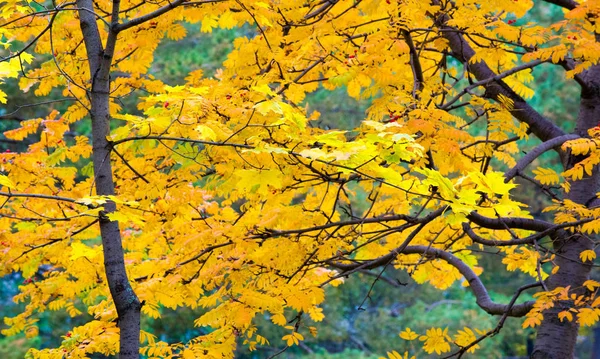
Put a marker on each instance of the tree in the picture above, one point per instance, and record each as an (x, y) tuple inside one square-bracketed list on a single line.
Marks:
[(223, 193)]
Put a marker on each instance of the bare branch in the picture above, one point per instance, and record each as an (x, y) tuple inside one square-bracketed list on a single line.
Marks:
[(484, 82), (415, 64), (19, 107), (510, 222), (182, 139), (397, 217), (327, 5), (481, 294), (156, 13), (517, 241), (141, 176), (55, 240), (498, 327), (479, 290), (569, 65), (41, 196), (535, 153)]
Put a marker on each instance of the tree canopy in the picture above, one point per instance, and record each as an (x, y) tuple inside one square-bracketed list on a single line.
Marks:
[(223, 191)]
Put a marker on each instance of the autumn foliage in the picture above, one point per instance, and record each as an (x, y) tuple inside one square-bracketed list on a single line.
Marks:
[(230, 197)]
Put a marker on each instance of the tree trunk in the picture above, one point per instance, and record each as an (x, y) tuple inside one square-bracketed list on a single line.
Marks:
[(100, 59), (556, 339)]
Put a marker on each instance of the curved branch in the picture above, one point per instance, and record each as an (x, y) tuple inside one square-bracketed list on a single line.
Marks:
[(116, 28), (535, 153), (496, 330), (483, 298), (481, 294), (569, 65), (142, 19), (321, 10), (517, 241)]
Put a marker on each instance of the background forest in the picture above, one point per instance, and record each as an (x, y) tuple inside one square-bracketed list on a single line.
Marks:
[(363, 318)]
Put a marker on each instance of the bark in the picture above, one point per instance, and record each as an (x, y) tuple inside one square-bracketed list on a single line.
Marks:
[(535, 153), (100, 58), (556, 339)]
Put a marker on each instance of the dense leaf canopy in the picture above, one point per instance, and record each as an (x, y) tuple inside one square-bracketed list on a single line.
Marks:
[(231, 197)]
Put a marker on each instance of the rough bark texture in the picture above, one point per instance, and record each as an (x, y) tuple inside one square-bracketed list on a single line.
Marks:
[(100, 58), (556, 339)]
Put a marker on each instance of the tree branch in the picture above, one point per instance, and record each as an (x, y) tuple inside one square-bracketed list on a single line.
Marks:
[(510, 222), (493, 243), (567, 4), (415, 64), (539, 125), (382, 219), (484, 82), (535, 153), (517, 241), (168, 138), (568, 65), (483, 298), (41, 196), (142, 19), (500, 323), (156, 13), (481, 294)]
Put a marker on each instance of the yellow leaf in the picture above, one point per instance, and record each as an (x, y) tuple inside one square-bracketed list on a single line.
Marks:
[(408, 334), (208, 23), (188, 354), (565, 314), (206, 133), (588, 316), (587, 256), (290, 340), (81, 250), (6, 182), (464, 338), (268, 106), (316, 314), (591, 284), (436, 340), (546, 176), (279, 319)]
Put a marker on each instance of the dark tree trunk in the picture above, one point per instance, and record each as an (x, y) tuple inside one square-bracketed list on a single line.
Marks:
[(556, 339), (100, 58)]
